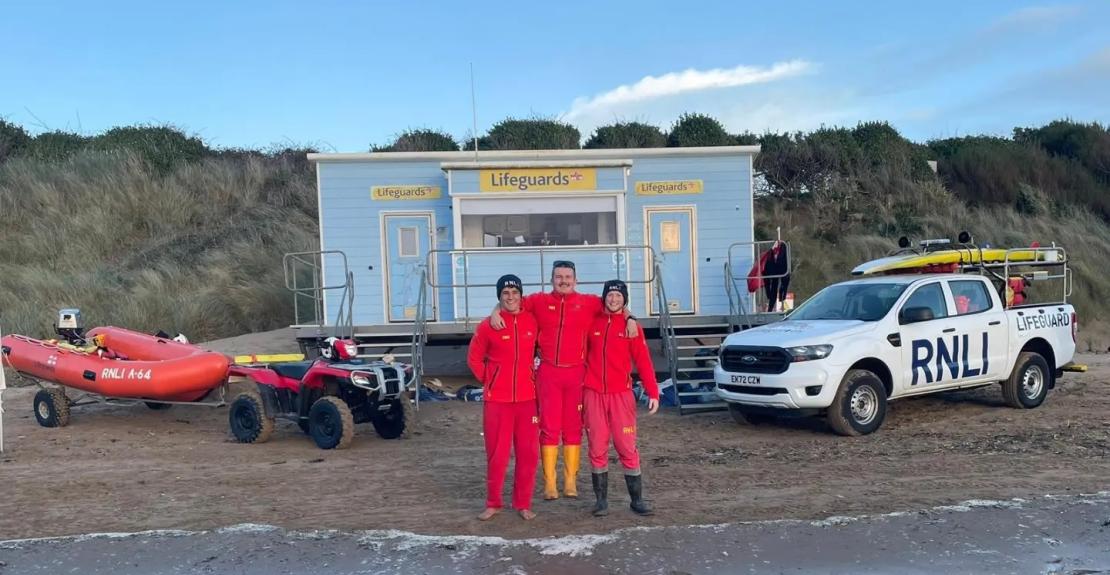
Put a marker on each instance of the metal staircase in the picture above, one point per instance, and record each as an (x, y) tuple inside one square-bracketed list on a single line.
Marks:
[(690, 346)]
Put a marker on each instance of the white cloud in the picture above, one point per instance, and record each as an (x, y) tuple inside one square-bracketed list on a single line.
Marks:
[(675, 83), (1036, 17)]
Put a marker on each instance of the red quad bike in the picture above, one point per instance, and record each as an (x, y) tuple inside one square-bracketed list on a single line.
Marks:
[(326, 397)]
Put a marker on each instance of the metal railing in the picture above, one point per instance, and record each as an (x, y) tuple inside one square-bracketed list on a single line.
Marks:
[(419, 337), (740, 311), (622, 254), (1048, 257), (666, 331), (301, 268), (1019, 263)]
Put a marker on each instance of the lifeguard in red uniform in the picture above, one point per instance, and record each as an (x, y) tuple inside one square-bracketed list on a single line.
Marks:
[(504, 361)]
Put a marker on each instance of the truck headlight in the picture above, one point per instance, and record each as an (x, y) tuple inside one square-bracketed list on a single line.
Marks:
[(809, 352)]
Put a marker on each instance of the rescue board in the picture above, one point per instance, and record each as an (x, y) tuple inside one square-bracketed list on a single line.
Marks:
[(912, 261)]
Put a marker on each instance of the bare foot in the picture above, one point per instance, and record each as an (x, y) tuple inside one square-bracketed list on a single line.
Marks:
[(488, 513), (527, 514)]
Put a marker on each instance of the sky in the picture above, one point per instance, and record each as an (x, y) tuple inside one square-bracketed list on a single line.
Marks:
[(341, 76)]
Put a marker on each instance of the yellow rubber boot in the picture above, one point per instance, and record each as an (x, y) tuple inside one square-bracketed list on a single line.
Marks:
[(549, 455), (570, 469)]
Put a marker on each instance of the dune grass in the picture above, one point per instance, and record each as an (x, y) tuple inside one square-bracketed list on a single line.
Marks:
[(197, 250)]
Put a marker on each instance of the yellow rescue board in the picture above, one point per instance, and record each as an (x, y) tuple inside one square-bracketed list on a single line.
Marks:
[(268, 358), (915, 261)]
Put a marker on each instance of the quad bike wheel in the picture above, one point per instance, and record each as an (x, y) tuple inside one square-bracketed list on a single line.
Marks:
[(330, 423), (390, 423), (248, 419), (52, 407)]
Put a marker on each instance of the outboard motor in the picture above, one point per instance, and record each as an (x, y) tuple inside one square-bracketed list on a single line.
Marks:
[(70, 327)]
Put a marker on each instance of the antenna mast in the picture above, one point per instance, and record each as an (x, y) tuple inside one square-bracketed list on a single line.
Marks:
[(473, 112)]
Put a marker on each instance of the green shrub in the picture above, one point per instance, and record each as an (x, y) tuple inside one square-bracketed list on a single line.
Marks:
[(698, 130), (627, 135)]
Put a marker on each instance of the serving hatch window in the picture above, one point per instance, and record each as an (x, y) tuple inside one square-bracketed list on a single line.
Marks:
[(539, 221)]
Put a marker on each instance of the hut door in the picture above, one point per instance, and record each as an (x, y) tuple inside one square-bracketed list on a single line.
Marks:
[(670, 232), (407, 239)]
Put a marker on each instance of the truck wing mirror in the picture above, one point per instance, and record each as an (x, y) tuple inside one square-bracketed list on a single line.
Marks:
[(915, 315)]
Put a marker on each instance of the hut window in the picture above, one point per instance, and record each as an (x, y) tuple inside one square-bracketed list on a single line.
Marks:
[(408, 245), (535, 221)]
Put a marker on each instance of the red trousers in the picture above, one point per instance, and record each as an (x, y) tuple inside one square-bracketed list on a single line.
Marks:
[(560, 403), (612, 416), (511, 426)]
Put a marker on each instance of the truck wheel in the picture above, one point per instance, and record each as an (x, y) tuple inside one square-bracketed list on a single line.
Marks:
[(860, 404), (390, 424), (1028, 384), (52, 407), (248, 419), (745, 417), (330, 423)]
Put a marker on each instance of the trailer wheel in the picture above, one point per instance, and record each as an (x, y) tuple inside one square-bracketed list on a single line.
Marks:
[(860, 404), (330, 423), (1028, 384), (248, 419), (158, 406), (390, 424), (745, 417), (52, 407)]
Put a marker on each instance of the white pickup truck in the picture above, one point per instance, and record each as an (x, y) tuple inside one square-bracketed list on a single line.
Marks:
[(857, 344)]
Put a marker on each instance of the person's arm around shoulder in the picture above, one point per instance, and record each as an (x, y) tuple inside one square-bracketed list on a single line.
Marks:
[(596, 305), (526, 305), (642, 358)]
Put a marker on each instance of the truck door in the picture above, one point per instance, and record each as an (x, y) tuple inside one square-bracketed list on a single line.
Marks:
[(981, 326), (923, 320)]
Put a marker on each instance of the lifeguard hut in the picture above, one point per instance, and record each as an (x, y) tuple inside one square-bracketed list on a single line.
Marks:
[(413, 242)]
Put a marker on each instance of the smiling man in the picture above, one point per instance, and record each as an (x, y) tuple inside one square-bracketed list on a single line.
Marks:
[(504, 363)]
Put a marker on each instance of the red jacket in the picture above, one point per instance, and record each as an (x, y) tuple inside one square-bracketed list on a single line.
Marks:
[(504, 361), (563, 321), (611, 355)]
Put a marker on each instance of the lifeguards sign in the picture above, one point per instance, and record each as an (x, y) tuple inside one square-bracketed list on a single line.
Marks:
[(673, 188), (538, 180), (404, 193)]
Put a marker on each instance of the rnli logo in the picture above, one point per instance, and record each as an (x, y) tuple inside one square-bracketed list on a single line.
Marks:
[(551, 307), (52, 361), (575, 176), (629, 430), (749, 359), (506, 337), (597, 333), (527, 334), (535, 420)]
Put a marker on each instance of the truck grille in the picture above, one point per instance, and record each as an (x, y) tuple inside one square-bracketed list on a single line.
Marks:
[(754, 359), (752, 389)]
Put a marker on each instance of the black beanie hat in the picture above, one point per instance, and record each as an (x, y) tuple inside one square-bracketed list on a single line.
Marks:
[(508, 280), (615, 285)]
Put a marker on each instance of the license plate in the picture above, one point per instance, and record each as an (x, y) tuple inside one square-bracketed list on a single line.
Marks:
[(746, 379)]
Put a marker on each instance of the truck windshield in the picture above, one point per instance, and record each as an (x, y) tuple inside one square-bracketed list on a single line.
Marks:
[(863, 302)]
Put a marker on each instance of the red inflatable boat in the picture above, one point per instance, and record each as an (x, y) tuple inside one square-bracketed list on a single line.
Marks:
[(120, 363)]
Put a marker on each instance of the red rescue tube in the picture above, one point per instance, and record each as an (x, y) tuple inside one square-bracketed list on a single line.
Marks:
[(155, 368)]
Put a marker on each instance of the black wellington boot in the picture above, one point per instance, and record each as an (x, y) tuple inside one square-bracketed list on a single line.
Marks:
[(601, 491), (636, 492)]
